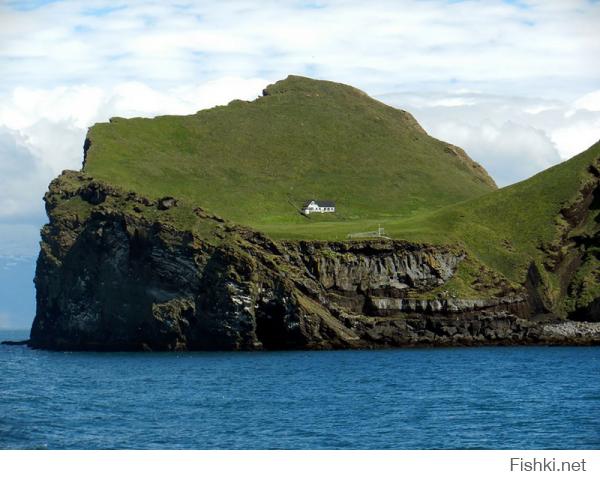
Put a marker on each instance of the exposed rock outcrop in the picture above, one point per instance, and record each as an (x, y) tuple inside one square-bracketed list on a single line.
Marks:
[(573, 258), (121, 272), (15, 343), (571, 332)]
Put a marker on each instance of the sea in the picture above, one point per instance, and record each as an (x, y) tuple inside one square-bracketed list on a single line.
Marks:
[(417, 398)]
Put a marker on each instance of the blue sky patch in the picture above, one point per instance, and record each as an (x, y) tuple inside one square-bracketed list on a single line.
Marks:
[(25, 5), (102, 11)]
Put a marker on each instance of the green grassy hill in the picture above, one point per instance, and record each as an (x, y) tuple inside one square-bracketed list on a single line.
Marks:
[(504, 228), (548, 215), (256, 162)]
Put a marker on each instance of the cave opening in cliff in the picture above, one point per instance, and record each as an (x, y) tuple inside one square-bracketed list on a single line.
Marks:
[(271, 330)]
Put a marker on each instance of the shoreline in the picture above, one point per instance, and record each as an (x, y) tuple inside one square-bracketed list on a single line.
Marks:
[(567, 334)]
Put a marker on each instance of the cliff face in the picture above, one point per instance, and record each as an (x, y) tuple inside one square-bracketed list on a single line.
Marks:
[(120, 272)]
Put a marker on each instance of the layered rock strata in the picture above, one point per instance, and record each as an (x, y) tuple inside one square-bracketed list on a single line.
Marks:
[(120, 272)]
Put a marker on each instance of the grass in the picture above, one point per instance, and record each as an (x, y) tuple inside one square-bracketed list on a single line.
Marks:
[(504, 228), (256, 162)]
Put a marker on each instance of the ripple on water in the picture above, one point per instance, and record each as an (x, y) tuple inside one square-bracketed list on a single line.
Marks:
[(532, 397)]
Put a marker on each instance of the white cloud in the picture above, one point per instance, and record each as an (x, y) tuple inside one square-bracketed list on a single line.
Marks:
[(42, 130), (577, 136), (509, 151), (512, 137), (370, 44), (591, 101), (516, 87), (23, 177)]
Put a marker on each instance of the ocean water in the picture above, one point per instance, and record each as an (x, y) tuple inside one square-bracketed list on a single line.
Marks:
[(450, 398)]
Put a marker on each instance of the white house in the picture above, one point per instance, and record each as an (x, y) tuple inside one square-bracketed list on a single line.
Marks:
[(318, 206)]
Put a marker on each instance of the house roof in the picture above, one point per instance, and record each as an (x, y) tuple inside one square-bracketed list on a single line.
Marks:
[(320, 203)]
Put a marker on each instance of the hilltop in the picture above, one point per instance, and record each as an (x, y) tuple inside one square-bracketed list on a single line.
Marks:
[(256, 162), (185, 233)]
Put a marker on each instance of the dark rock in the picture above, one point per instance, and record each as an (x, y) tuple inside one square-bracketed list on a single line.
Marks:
[(166, 202), (94, 194), (15, 342), (117, 281)]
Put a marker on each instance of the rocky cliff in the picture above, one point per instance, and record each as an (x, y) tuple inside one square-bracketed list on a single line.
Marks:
[(118, 271)]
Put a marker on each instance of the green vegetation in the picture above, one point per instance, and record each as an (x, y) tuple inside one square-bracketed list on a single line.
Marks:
[(505, 228), (255, 163), (586, 283)]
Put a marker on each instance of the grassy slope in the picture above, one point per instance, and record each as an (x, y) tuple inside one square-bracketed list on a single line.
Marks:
[(250, 161), (256, 162), (503, 228), (506, 228)]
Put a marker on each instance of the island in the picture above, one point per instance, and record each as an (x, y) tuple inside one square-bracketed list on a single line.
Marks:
[(197, 232)]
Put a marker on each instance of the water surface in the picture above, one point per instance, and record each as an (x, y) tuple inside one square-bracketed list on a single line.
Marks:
[(497, 397)]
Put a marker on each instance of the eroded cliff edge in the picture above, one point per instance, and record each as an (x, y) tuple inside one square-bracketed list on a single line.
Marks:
[(118, 271)]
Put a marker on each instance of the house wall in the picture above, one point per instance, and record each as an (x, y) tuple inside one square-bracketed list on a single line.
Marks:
[(314, 208)]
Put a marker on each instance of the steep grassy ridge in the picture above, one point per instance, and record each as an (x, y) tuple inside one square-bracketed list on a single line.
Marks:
[(256, 162)]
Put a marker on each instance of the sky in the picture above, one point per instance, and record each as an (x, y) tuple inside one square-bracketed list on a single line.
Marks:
[(515, 83)]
